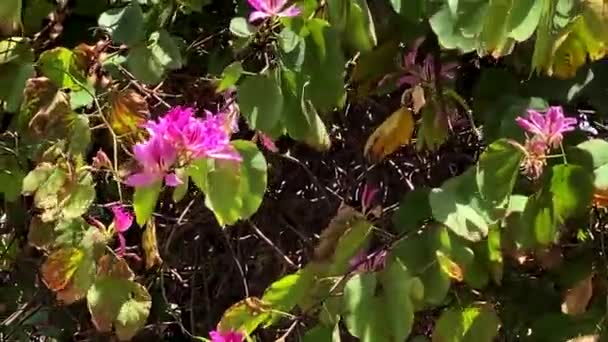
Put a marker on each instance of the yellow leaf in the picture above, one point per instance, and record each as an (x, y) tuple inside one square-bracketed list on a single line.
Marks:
[(418, 99), (569, 54), (577, 298), (150, 245), (451, 268), (128, 111), (394, 132)]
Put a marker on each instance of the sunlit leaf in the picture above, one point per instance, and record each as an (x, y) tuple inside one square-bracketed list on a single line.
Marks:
[(245, 316), (468, 324), (10, 17), (241, 28), (261, 101), (144, 201), (284, 294), (59, 267), (449, 267), (230, 76), (80, 199), (497, 171), (118, 302), (394, 132), (124, 24)]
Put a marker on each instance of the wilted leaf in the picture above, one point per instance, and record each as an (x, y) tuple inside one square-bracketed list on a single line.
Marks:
[(129, 110), (394, 132), (150, 245), (577, 298), (45, 108), (59, 267), (80, 282)]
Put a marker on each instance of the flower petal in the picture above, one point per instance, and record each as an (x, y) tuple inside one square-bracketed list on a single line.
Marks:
[(143, 179), (290, 11), (172, 180), (260, 5), (258, 15)]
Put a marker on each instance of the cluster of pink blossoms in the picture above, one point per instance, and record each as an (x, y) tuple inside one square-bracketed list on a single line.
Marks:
[(271, 8), (226, 336), (175, 140), (547, 131)]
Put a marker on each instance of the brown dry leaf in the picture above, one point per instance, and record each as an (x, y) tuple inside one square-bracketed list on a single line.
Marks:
[(84, 56), (394, 132), (577, 298), (418, 99), (335, 230), (600, 198), (129, 110), (59, 267), (112, 266), (150, 245), (46, 107), (452, 269)]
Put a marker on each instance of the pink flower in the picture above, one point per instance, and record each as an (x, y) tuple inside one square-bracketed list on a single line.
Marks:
[(267, 142), (122, 222), (101, 160), (194, 137), (271, 8), (548, 127), (155, 156), (368, 196), (226, 336), (415, 74)]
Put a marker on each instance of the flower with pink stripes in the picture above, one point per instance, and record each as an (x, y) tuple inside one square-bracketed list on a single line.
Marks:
[(271, 8)]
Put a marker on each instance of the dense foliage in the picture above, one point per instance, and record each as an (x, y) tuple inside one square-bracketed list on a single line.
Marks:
[(315, 170)]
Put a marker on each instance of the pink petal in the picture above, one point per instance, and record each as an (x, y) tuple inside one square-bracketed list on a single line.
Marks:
[(122, 218), (260, 5), (144, 155), (291, 11), (122, 244), (143, 179), (268, 143), (172, 180), (410, 80), (528, 125), (257, 15)]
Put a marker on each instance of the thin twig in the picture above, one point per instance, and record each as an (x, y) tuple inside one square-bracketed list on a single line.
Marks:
[(271, 244)]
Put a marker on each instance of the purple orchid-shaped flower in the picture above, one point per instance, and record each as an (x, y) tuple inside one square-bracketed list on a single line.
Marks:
[(226, 336), (415, 74), (271, 8), (549, 127), (122, 222), (156, 156), (178, 138)]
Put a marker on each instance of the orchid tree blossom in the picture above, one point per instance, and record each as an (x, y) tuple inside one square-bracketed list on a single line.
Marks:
[(226, 336), (549, 127), (271, 8), (419, 74), (121, 223), (155, 156)]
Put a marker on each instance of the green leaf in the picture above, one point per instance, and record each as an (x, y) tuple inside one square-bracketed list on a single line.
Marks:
[(80, 138), (523, 19), (497, 171), (234, 191), (16, 67), (118, 302), (458, 205), (261, 101), (445, 27), (363, 316), (80, 199), (413, 210), (284, 294), (165, 50), (47, 196), (144, 201), (324, 66), (181, 190), (592, 153), (125, 24), (361, 32), (479, 324), (36, 178), (544, 36), (10, 17), (142, 64), (539, 215), (322, 333), (244, 316), (149, 62), (571, 188), (61, 67), (11, 177), (241, 28), (230, 76), (400, 294)]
